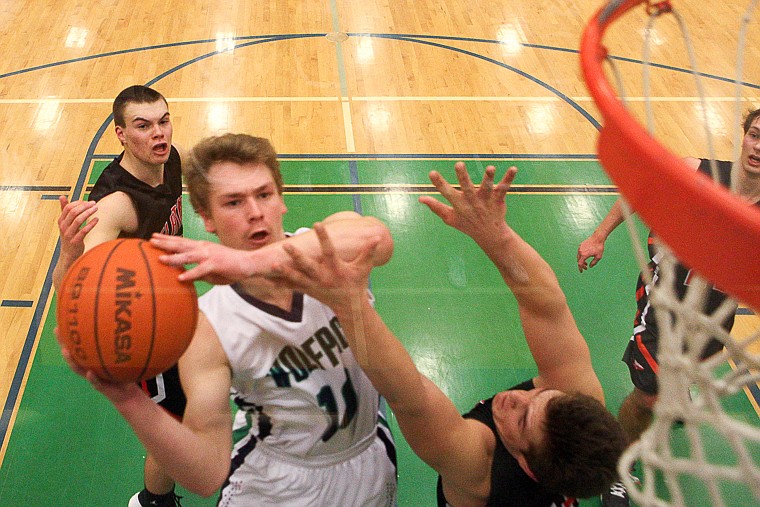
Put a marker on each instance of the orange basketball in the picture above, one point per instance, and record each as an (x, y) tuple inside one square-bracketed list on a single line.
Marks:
[(123, 314)]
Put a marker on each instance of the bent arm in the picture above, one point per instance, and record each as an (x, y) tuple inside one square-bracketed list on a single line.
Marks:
[(560, 352), (196, 452), (85, 224), (593, 246), (222, 265), (428, 419)]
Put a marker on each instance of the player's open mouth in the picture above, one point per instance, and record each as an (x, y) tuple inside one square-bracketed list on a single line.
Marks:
[(259, 236), (161, 147)]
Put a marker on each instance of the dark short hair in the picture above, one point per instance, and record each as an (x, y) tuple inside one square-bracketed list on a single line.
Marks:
[(751, 116), (237, 148), (137, 94), (581, 447)]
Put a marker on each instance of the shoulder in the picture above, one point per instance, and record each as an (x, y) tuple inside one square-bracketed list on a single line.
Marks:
[(116, 214), (469, 480)]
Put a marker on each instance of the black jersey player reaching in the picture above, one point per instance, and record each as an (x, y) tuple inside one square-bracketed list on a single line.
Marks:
[(640, 355), (138, 193)]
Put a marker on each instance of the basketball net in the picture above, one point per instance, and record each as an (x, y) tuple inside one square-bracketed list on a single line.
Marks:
[(720, 241)]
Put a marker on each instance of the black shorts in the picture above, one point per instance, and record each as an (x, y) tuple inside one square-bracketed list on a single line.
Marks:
[(641, 357), (167, 392)]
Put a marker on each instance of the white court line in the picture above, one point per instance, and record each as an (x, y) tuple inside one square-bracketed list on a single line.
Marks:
[(348, 126)]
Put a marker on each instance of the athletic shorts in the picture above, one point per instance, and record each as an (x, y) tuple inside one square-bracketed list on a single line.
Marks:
[(641, 357), (167, 392), (263, 478)]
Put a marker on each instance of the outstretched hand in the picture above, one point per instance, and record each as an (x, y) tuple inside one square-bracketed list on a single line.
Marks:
[(476, 211), (216, 264), (73, 215), (326, 277)]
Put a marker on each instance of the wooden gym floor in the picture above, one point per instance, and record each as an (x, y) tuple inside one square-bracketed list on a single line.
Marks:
[(361, 98)]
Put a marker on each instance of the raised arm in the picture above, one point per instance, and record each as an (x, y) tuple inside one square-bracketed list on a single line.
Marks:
[(218, 264), (560, 352), (430, 422), (85, 224)]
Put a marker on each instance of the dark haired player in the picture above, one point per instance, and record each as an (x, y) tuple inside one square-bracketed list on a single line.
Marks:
[(641, 353), (138, 193)]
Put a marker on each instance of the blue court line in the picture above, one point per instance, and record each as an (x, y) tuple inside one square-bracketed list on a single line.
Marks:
[(745, 311), (17, 303), (404, 36), (26, 351), (561, 50), (353, 169), (517, 71), (144, 48)]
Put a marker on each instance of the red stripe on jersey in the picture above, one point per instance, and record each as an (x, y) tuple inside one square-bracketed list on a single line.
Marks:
[(647, 356)]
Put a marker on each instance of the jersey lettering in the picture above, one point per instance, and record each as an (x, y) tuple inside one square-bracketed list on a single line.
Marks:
[(174, 224), (296, 363)]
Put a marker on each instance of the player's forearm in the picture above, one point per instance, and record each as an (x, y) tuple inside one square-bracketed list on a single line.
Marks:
[(348, 236), (527, 274), (380, 354), (610, 222), (196, 462)]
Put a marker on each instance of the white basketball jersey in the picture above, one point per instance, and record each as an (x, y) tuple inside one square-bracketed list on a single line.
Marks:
[(293, 371)]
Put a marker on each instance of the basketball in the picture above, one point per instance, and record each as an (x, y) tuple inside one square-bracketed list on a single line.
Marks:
[(123, 314)]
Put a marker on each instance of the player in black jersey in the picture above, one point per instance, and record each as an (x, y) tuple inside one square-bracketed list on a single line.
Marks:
[(139, 193), (537, 444), (641, 353)]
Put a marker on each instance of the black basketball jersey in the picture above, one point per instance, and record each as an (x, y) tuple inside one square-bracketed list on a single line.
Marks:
[(159, 209), (645, 314), (510, 485)]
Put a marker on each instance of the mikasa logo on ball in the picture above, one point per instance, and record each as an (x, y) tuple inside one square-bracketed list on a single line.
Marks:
[(73, 321), (122, 341)]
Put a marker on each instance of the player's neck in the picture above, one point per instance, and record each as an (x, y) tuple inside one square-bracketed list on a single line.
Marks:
[(150, 174), (280, 297)]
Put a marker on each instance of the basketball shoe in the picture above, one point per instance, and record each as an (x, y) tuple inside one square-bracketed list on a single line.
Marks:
[(147, 499), (616, 496)]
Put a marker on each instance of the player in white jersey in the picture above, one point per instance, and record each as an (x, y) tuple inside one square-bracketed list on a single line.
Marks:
[(311, 407), (315, 438)]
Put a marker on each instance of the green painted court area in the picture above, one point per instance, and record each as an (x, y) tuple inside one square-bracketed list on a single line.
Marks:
[(439, 294)]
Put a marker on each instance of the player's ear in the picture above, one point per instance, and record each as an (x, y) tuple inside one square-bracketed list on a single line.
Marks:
[(120, 134), (208, 221), (523, 462)]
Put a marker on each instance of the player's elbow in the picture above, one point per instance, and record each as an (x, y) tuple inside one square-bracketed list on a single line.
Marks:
[(376, 230)]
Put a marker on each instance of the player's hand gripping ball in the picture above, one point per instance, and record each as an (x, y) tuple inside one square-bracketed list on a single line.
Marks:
[(123, 314)]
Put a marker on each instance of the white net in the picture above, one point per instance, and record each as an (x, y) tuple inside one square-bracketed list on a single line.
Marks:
[(683, 454)]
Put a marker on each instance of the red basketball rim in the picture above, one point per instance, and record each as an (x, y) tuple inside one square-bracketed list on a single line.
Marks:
[(708, 228)]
